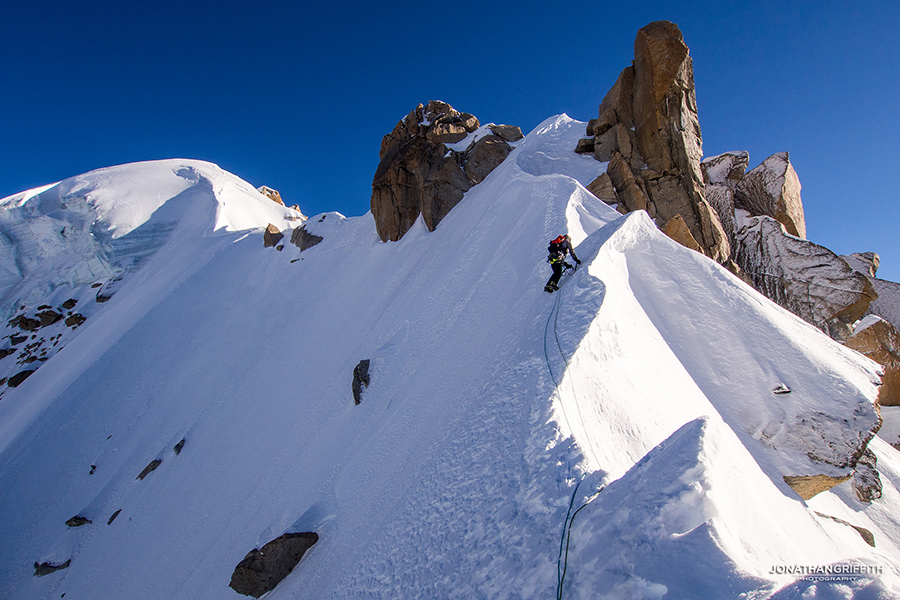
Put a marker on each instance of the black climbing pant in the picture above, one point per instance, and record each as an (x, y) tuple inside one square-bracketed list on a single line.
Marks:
[(557, 272)]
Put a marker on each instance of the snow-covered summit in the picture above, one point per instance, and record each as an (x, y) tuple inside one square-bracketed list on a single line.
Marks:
[(101, 224), (66, 249), (493, 410)]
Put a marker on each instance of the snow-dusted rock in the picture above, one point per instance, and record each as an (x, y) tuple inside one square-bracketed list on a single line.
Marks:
[(273, 195), (725, 169), (864, 262), (887, 304), (773, 189), (809, 280), (879, 340), (264, 568), (510, 133), (866, 480), (722, 174)]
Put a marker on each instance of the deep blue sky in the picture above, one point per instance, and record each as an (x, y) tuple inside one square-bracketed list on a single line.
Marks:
[(297, 95)]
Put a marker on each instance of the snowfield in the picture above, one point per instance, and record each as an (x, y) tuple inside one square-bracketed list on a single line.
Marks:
[(639, 399)]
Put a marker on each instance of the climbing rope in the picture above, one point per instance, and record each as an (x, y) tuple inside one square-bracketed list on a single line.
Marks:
[(567, 536), (562, 559), (554, 316)]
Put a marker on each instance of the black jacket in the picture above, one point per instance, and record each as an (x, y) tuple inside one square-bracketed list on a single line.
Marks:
[(566, 248)]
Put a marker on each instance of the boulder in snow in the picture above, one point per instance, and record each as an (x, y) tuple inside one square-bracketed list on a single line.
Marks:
[(45, 568), (360, 379), (271, 236), (304, 239), (264, 568), (74, 320), (78, 521), (25, 323), (48, 317), (149, 468), (19, 377)]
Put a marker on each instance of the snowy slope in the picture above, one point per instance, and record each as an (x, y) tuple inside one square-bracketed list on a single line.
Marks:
[(650, 373), (68, 248)]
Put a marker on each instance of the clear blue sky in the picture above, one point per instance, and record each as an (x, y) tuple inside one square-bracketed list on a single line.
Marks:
[(297, 95)]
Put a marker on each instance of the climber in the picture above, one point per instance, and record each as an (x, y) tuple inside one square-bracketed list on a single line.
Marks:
[(557, 259)]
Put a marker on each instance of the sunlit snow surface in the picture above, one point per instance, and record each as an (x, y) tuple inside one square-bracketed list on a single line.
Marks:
[(650, 373)]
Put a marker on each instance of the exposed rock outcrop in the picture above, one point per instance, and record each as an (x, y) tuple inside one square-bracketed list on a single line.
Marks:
[(271, 236), (484, 156), (74, 320), (866, 535), (360, 379), (510, 133), (809, 280), (304, 239), (271, 194), (887, 304), (46, 568), (48, 317), (418, 173), (78, 521), (19, 377), (773, 189), (149, 468), (866, 480), (602, 187), (879, 340), (808, 486), (264, 568), (649, 131), (722, 174)]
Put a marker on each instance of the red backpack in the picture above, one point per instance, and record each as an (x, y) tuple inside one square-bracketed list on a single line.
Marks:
[(556, 245)]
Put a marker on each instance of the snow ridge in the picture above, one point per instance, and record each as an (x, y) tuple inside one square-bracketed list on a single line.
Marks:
[(453, 477)]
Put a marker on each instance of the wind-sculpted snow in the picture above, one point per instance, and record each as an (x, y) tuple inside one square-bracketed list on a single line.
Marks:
[(671, 526), (69, 248), (488, 402)]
